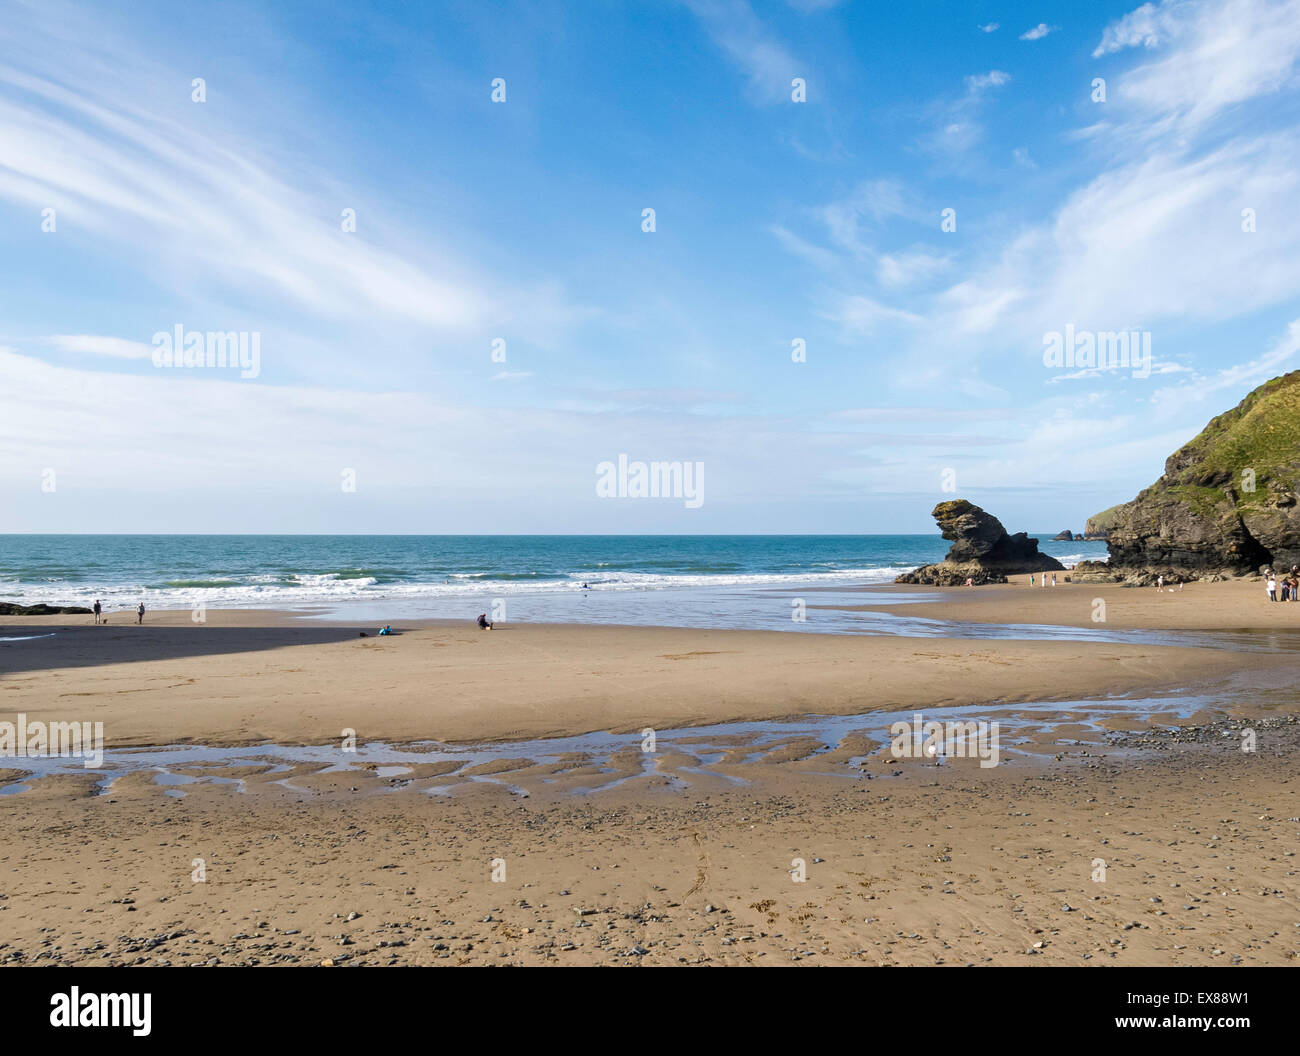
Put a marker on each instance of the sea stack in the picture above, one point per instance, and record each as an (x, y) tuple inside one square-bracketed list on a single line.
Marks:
[(981, 551)]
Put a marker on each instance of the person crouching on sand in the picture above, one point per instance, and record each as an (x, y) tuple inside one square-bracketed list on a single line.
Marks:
[(483, 624)]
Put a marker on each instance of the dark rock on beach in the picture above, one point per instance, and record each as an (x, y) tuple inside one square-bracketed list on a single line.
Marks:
[(1065, 536), (10, 609), (1146, 576), (1227, 501), (981, 551)]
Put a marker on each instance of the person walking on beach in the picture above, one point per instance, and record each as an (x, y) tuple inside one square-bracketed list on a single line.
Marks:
[(1053, 579), (1160, 584), (139, 614), (97, 610), (1271, 586)]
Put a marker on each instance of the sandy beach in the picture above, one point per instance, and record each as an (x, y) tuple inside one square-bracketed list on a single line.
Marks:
[(249, 676), (689, 859), (1236, 604)]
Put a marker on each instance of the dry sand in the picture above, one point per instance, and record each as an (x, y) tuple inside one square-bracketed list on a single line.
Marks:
[(1231, 605)]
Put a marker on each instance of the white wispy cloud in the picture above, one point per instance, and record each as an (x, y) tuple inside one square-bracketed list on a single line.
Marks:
[(983, 81), (95, 345), (1212, 56), (1155, 238), (200, 198), (1146, 26), (1205, 388), (847, 219), (751, 46), (860, 315), (253, 456), (1038, 32)]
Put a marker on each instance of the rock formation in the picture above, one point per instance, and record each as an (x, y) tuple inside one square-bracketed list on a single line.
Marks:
[(10, 609), (1098, 525), (1226, 504), (1065, 536), (981, 551)]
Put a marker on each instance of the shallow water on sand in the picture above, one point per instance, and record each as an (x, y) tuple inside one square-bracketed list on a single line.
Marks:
[(819, 610), (594, 761)]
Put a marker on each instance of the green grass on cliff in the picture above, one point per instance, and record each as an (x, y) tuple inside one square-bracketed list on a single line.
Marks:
[(1101, 522), (1261, 434)]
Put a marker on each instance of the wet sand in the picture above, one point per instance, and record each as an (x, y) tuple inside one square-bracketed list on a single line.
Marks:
[(247, 677)]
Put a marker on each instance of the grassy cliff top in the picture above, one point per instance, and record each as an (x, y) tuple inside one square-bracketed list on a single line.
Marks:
[(1101, 522), (1261, 435)]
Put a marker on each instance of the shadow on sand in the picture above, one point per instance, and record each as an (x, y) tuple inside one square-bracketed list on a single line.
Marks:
[(47, 646)]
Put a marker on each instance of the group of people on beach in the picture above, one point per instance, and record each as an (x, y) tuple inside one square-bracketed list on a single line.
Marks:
[(1289, 582), (102, 617), (1043, 577)]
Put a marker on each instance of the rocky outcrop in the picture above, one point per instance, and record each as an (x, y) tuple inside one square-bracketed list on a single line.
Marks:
[(1098, 525), (10, 609), (1226, 503), (1144, 576), (1065, 536), (981, 550)]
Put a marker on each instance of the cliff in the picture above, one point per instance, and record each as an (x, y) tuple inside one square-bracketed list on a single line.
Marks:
[(1226, 503)]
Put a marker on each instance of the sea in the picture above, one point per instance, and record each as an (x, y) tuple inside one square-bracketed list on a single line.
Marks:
[(744, 581)]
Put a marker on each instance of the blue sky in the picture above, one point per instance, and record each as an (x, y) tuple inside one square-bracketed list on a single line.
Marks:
[(521, 220)]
